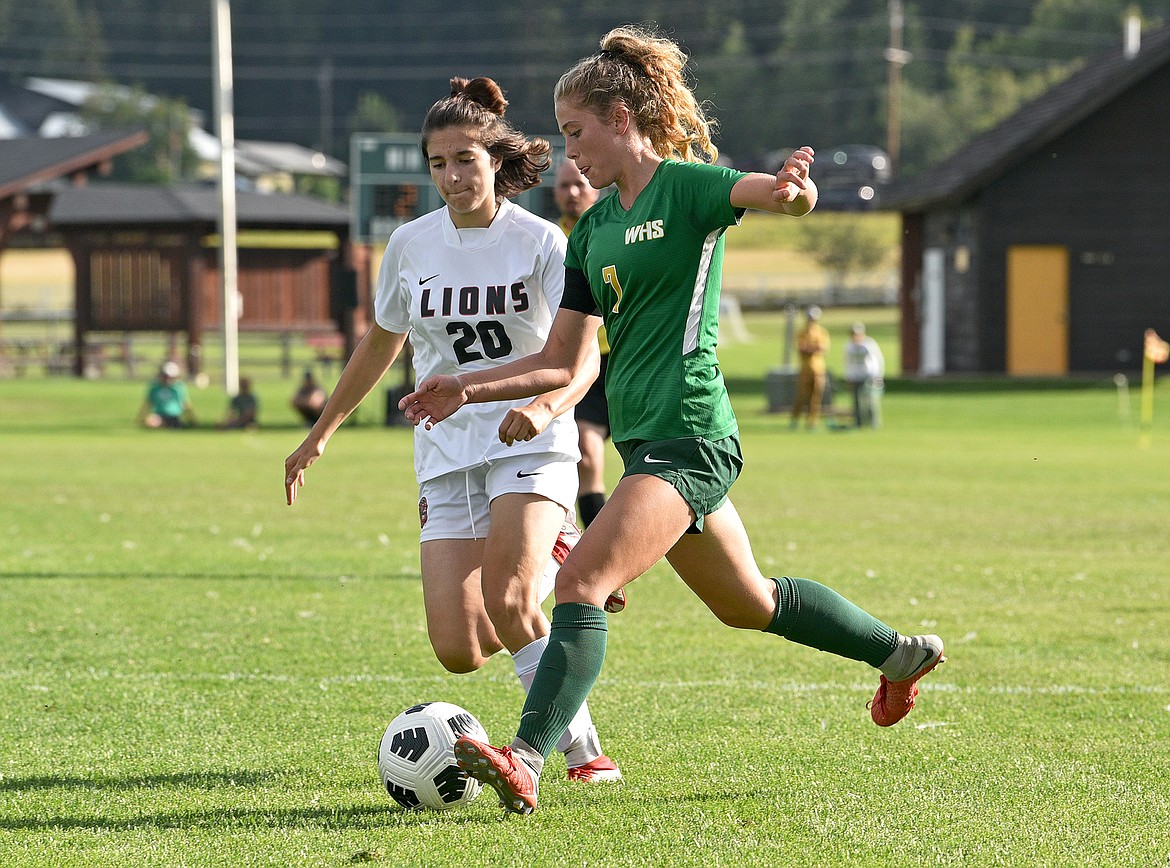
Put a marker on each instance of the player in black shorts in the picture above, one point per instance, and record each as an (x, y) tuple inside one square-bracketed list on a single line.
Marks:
[(574, 196)]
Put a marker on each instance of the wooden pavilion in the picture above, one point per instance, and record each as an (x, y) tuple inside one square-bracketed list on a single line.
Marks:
[(146, 259), (33, 168)]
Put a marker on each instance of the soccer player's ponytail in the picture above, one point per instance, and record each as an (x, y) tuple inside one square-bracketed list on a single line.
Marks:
[(646, 73), (478, 106)]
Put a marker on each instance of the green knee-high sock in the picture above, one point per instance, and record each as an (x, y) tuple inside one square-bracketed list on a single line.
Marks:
[(568, 668), (813, 615)]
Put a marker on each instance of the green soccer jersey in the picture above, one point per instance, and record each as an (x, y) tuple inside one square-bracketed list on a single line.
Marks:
[(655, 272)]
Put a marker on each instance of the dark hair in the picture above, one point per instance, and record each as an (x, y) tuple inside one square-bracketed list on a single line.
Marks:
[(645, 72), (478, 106)]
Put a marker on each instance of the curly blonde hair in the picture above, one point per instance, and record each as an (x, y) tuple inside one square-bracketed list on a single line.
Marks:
[(647, 73), (478, 106)]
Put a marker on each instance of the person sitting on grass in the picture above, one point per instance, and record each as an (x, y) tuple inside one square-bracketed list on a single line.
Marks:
[(243, 408), (167, 403), (309, 398)]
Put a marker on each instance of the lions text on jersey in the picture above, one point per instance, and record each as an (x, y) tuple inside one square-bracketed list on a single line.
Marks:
[(473, 299)]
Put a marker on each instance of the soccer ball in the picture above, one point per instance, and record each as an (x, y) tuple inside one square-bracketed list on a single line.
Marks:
[(416, 758)]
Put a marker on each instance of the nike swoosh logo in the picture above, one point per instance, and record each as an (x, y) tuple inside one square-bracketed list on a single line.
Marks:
[(520, 474), (650, 460), (927, 653), (423, 280)]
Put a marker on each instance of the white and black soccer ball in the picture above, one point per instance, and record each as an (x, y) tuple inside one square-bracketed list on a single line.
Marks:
[(416, 758)]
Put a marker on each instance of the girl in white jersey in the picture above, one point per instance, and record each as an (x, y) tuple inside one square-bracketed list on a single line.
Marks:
[(647, 261), (476, 284)]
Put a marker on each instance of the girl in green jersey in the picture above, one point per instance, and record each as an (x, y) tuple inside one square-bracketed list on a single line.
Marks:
[(646, 260)]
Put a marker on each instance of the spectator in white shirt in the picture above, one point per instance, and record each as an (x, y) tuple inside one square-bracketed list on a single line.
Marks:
[(865, 370)]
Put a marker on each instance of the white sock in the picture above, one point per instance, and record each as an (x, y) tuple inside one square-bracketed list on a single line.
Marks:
[(909, 656), (579, 742)]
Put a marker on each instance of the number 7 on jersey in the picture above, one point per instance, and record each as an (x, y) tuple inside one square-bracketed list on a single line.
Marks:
[(609, 275)]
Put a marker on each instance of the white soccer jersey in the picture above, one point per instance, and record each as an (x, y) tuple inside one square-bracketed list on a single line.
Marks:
[(474, 299)]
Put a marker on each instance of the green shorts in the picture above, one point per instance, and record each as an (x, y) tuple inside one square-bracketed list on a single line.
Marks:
[(701, 470)]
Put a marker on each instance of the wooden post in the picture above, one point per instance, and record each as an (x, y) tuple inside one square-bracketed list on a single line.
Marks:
[(83, 303), (896, 58), (285, 354), (913, 245), (191, 302), (129, 364)]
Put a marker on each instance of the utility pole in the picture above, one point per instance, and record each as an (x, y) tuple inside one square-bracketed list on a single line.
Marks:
[(896, 58), (221, 19), (325, 87)]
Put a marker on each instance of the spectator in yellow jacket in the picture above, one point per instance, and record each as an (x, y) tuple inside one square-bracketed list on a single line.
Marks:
[(812, 343)]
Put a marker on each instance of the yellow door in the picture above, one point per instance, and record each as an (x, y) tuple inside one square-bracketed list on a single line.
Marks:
[(1037, 309)]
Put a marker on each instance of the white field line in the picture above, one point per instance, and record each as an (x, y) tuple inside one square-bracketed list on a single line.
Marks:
[(40, 679)]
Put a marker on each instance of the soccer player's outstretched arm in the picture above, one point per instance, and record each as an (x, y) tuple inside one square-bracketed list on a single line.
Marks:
[(524, 423), (370, 360), (567, 354), (790, 191)]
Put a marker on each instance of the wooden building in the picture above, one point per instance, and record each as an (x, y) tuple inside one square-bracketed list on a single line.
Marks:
[(32, 169), (29, 165), (146, 259), (1043, 246)]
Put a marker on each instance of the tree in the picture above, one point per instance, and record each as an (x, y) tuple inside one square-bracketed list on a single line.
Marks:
[(976, 96), (780, 73), (725, 83), (373, 114), (167, 157), (843, 244), (53, 37)]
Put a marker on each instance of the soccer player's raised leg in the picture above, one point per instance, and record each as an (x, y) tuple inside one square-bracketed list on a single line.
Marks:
[(719, 567)]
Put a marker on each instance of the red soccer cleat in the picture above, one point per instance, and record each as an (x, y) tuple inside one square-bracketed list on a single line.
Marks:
[(568, 538), (599, 771), (894, 699), (503, 771)]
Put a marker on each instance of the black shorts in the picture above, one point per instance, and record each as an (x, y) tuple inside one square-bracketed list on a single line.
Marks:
[(593, 407)]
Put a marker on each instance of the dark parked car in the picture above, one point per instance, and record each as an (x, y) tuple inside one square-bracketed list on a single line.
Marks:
[(850, 177)]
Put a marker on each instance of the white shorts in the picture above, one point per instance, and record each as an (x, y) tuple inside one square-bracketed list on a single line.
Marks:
[(456, 505)]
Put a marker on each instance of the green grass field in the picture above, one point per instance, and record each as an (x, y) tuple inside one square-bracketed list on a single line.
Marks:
[(195, 674)]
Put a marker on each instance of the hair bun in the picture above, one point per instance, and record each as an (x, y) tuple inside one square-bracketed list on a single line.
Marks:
[(482, 91)]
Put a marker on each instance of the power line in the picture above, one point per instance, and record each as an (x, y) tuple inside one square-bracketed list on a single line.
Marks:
[(1087, 38), (271, 43), (264, 54)]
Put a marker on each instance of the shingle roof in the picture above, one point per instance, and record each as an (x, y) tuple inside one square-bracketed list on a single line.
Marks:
[(29, 108), (254, 158), (287, 157), (142, 204), (31, 160), (1034, 125)]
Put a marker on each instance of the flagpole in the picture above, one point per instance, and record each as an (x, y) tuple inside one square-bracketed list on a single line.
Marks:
[(228, 260)]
